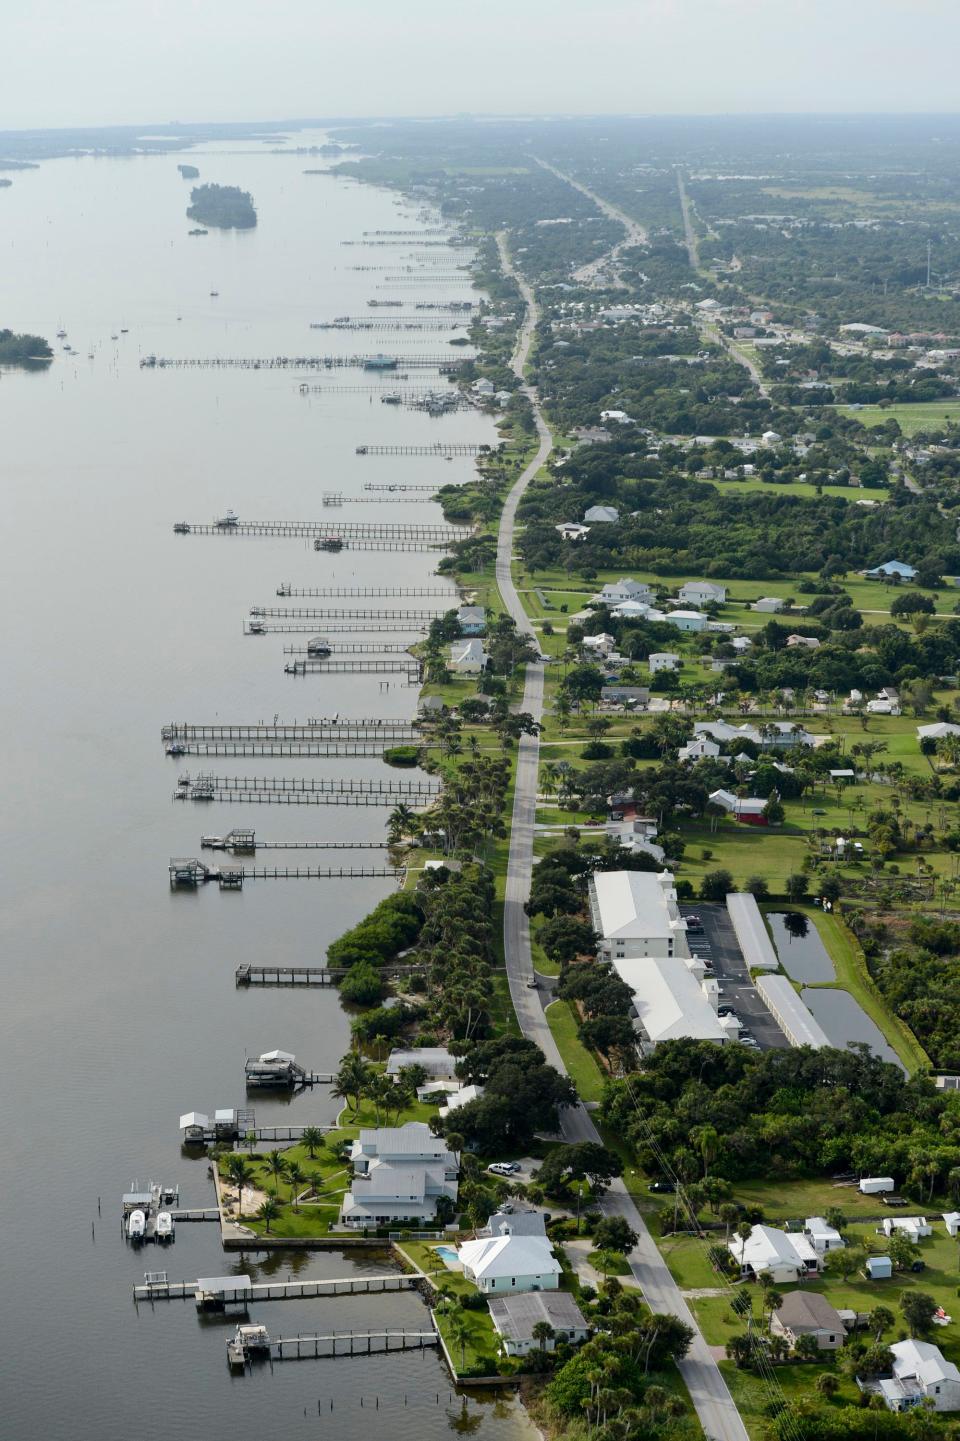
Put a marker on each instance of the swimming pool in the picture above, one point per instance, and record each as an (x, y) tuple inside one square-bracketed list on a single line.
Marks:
[(448, 1255)]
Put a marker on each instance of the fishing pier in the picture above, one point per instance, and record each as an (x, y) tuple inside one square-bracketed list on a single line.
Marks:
[(236, 1124), (368, 592), (188, 873), (440, 450), (300, 612), (412, 670), (344, 728), (343, 529), (445, 363), (216, 1292), (296, 790), (270, 975)]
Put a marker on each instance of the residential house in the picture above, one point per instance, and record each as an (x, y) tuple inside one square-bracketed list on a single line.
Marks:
[(599, 645), (688, 620), (626, 589), (570, 530), (916, 1227), (805, 642), (771, 437), (891, 569), (825, 1238), (748, 809), (771, 735), (400, 1174), (516, 1220), (921, 1372), (617, 417), (510, 1263), (637, 610), (472, 619), (700, 748), (432, 706), (461, 1097), (625, 696), (702, 592), (435, 1060), (951, 1219), (807, 1313), (468, 657), (635, 836), (783, 1256), (635, 913), (885, 702), (514, 1318), (659, 660), (602, 515), (769, 604), (937, 730)]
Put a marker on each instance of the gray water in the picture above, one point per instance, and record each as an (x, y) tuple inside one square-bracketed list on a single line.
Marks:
[(845, 1020), (119, 1006), (797, 941)]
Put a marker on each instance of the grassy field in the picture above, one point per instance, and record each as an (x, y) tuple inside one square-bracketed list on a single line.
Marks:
[(581, 1065), (923, 415)]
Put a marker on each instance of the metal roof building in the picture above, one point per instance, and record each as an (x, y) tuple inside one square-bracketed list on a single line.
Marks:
[(792, 1016), (752, 935)]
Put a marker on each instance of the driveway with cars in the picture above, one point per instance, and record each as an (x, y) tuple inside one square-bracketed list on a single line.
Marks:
[(718, 943)]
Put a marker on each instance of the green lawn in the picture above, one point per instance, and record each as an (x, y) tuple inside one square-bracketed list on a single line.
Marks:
[(687, 1258), (795, 1200), (583, 1069), (923, 415)]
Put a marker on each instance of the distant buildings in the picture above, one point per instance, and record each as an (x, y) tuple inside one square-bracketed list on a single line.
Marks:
[(662, 660), (768, 604), (890, 569), (687, 620), (602, 515)]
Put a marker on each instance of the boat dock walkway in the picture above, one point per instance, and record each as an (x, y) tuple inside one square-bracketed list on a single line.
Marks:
[(345, 728), (400, 324), (368, 592), (350, 1343), (439, 450), (371, 648), (189, 872), (252, 1291), (302, 362), (344, 529), (376, 627), (293, 749), (271, 975), (413, 670), (312, 612), (335, 498), (396, 485)]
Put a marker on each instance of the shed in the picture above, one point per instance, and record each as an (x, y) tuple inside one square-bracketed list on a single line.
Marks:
[(879, 1268), (217, 1291), (951, 1219)]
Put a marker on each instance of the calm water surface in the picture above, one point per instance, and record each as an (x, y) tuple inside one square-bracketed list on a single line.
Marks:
[(802, 953), (845, 1020), (119, 1007)]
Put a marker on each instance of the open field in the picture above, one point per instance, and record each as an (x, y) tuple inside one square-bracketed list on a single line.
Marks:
[(581, 1065), (923, 415)]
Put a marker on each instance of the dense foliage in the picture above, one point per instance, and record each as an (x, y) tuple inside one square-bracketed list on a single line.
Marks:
[(225, 206)]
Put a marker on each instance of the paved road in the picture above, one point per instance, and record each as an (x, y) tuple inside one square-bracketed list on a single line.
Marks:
[(689, 233), (636, 233), (708, 1391)]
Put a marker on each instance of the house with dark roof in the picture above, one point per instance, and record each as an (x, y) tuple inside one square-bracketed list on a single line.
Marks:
[(807, 1313)]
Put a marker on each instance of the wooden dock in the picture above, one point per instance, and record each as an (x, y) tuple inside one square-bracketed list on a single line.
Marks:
[(412, 670), (271, 975), (389, 792), (296, 749), (370, 592), (350, 1343), (347, 627), (342, 529), (283, 1290), (396, 485), (364, 648), (444, 362), (324, 613), (345, 728), (189, 872), (440, 450)]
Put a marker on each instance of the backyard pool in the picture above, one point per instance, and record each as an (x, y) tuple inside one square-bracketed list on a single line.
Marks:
[(448, 1256)]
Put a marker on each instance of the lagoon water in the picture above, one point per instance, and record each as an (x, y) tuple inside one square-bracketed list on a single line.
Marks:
[(119, 1009)]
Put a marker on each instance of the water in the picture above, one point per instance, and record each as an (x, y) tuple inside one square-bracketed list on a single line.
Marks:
[(802, 953), (845, 1020), (119, 1007)]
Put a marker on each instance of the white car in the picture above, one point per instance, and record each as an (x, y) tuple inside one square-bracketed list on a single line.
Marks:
[(504, 1168)]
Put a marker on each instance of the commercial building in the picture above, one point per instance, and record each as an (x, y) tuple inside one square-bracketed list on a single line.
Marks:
[(672, 1001), (794, 1019), (752, 935)]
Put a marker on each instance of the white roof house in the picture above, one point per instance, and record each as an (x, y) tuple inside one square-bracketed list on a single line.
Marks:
[(693, 620), (770, 733), (634, 836), (624, 589), (662, 660), (399, 1174), (697, 749), (951, 1219), (781, 1255), (737, 805), (468, 657), (937, 730), (916, 1227), (510, 1263), (893, 567), (700, 592), (768, 603), (514, 1318), (669, 1001), (435, 1060), (463, 1097), (825, 1238), (636, 914), (602, 515), (570, 530), (921, 1370)]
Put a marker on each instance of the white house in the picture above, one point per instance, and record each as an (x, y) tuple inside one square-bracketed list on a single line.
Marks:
[(702, 592), (937, 730), (636, 914), (781, 1255), (771, 437), (462, 1097), (700, 748), (662, 660), (693, 620), (803, 642), (510, 1263), (770, 735), (921, 1371), (514, 1318), (892, 568), (825, 1238), (468, 657), (602, 515), (625, 589), (635, 836), (570, 530), (435, 1060), (472, 619), (768, 604), (618, 417), (399, 1175), (742, 807), (916, 1227), (601, 644)]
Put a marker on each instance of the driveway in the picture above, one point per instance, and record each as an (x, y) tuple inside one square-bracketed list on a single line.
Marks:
[(729, 967)]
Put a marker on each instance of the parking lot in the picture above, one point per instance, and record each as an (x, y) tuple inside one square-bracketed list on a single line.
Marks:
[(718, 943)]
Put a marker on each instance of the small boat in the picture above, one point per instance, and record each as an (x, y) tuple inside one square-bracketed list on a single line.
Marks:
[(164, 1226), (214, 293), (61, 334), (124, 330), (89, 354), (256, 627), (114, 337), (213, 843), (319, 646), (176, 748), (181, 527), (226, 521), (393, 397), (328, 542), (136, 1225), (183, 782)]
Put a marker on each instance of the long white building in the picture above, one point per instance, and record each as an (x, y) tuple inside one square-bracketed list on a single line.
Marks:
[(635, 914)]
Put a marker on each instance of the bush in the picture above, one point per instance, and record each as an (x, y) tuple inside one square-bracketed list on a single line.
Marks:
[(716, 886), (362, 986), (402, 755)]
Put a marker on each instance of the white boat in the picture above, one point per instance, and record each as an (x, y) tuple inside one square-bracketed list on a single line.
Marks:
[(164, 1226), (61, 334), (136, 1224)]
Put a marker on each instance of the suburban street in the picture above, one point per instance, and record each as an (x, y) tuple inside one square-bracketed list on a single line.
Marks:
[(635, 233), (708, 1390)]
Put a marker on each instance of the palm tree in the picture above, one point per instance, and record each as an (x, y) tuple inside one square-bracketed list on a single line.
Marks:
[(352, 1079), (269, 1211), (543, 1332), (458, 1331), (276, 1166), (827, 1384), (295, 1177), (399, 821), (313, 1139), (240, 1173)]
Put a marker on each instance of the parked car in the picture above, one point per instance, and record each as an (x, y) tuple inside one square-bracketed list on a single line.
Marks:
[(724, 1010), (504, 1168)]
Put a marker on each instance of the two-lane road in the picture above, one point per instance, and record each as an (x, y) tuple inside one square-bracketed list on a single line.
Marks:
[(708, 1390)]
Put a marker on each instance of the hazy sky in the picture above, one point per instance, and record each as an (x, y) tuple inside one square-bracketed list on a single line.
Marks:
[(71, 62)]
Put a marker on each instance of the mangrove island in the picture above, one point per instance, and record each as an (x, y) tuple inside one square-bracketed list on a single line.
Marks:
[(226, 206)]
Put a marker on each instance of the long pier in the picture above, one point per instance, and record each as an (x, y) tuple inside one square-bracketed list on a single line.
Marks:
[(337, 498), (351, 728), (345, 529), (404, 325), (413, 670), (291, 749), (367, 592), (440, 449), (190, 873), (373, 648), (396, 485), (300, 362), (281, 1290), (301, 612), (375, 627), (320, 785), (268, 975), (350, 1343)]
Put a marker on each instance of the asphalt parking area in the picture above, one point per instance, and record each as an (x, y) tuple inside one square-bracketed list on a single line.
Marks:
[(719, 943)]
